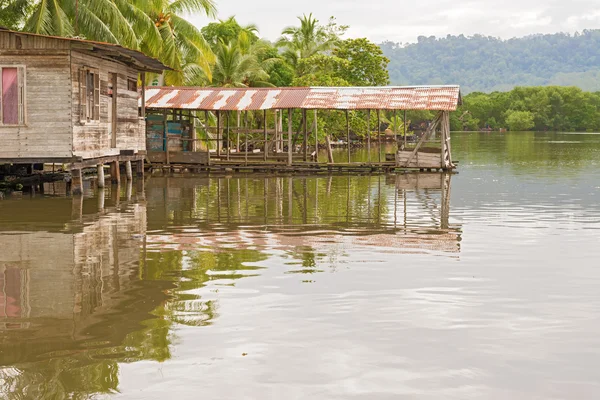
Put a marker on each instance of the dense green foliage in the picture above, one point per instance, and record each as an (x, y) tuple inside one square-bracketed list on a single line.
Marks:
[(539, 108), (481, 63)]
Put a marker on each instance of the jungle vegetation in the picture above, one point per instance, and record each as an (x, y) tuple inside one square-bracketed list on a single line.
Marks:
[(314, 53)]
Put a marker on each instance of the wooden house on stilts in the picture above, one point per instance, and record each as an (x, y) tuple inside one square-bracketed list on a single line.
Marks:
[(72, 102)]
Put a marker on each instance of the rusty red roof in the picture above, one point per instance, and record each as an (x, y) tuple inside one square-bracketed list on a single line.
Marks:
[(437, 98)]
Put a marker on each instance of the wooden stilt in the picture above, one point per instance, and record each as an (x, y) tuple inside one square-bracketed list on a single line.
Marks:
[(100, 173), (115, 173), (139, 166), (76, 182), (128, 171)]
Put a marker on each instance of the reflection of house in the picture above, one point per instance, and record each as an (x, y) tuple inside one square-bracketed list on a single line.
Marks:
[(406, 213), (77, 285)]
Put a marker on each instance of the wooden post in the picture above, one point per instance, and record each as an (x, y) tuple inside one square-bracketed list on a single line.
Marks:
[(329, 152), (315, 131), (100, 173), (280, 130), (115, 172), (128, 171), (143, 79), (140, 168), (246, 138), (276, 136), (228, 140), (396, 126), (379, 132), (76, 182), (239, 117), (305, 128), (207, 135), (219, 134), (290, 115), (369, 136), (266, 147), (404, 125), (348, 134)]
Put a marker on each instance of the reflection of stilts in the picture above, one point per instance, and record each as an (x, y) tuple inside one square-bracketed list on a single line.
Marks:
[(424, 185), (446, 178)]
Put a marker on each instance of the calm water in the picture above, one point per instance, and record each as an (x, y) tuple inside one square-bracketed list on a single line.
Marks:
[(482, 285)]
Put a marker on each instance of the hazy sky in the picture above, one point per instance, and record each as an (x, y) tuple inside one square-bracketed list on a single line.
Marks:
[(403, 21)]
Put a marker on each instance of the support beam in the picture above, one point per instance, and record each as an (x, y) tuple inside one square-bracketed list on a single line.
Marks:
[(101, 179), (290, 115), (128, 171), (115, 172)]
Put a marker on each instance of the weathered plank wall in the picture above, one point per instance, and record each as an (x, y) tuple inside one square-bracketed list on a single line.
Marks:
[(91, 140), (47, 128), (419, 160)]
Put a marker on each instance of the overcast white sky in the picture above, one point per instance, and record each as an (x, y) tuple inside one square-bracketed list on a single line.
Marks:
[(403, 21)]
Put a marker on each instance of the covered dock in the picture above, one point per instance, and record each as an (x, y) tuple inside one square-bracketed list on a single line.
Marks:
[(243, 128)]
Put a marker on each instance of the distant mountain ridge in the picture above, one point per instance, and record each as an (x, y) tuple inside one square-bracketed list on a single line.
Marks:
[(486, 64)]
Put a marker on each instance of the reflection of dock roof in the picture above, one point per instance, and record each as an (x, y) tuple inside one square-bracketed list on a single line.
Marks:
[(436, 98)]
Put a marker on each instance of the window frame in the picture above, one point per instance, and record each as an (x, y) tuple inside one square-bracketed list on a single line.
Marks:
[(22, 96), (85, 117)]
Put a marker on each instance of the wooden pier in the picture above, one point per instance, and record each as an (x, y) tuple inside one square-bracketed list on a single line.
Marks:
[(276, 129)]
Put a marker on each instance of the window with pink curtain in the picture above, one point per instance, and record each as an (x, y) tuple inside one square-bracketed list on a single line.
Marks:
[(10, 96)]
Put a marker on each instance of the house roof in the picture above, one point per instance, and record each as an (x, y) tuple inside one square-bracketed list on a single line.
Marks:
[(113, 51), (438, 98)]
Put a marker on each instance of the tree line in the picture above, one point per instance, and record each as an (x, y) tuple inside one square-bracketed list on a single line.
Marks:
[(485, 64), (311, 53), (548, 108)]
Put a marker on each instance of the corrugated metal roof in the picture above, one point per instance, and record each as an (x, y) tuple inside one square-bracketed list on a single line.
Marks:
[(123, 54), (438, 98)]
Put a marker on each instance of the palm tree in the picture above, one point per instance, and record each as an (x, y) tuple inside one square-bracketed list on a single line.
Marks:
[(178, 43), (237, 64), (308, 39), (100, 20), (152, 26)]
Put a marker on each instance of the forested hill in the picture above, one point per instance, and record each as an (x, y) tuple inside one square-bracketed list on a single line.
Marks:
[(481, 63)]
